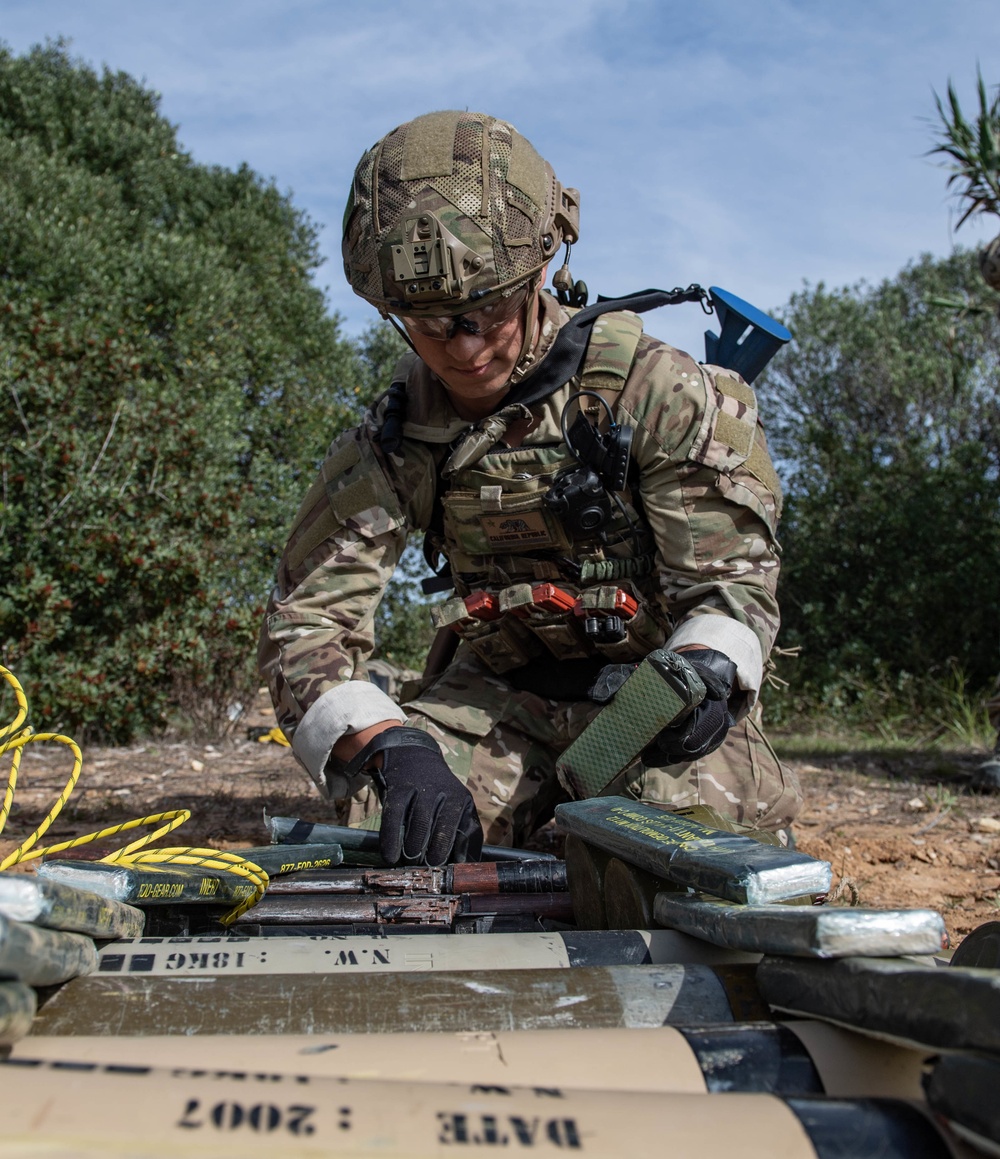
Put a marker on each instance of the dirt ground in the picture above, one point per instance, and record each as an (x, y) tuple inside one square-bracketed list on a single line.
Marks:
[(900, 828), (904, 829)]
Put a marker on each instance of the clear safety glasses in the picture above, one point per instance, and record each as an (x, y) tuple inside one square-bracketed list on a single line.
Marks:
[(478, 321)]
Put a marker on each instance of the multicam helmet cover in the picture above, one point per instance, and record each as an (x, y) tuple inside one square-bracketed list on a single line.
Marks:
[(450, 211)]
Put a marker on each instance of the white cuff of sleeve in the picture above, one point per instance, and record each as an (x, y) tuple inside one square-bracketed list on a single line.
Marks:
[(347, 708), (734, 640)]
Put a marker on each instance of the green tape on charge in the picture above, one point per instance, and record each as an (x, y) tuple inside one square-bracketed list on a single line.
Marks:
[(662, 689)]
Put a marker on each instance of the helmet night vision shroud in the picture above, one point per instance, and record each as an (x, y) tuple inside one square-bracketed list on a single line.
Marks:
[(450, 212)]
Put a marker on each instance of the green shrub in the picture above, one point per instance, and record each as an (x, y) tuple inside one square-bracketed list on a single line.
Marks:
[(884, 417), (169, 381)]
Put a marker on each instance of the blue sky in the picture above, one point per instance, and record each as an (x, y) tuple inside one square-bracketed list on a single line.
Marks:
[(745, 143)]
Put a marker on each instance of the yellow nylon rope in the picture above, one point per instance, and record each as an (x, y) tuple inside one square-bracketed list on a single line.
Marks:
[(13, 739)]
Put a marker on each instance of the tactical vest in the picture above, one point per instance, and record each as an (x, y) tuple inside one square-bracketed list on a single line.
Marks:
[(526, 588)]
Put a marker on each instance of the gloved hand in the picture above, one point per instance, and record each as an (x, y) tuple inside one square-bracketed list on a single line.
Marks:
[(608, 681), (704, 729), (428, 815)]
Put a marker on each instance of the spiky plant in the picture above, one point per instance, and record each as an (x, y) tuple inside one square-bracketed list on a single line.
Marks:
[(974, 152)]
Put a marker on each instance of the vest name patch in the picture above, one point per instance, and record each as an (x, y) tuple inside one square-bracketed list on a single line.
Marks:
[(526, 529)]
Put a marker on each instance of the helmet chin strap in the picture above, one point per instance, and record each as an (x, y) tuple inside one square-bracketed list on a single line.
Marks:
[(526, 358), (400, 330)]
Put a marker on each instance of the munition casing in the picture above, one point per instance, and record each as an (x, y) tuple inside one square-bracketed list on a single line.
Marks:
[(801, 1058), (555, 906), (364, 880), (43, 957), (194, 956), (854, 1065), (198, 921), (332, 909), (150, 884), (948, 1008), (803, 931), (293, 830), (585, 869), (710, 816), (516, 877), (92, 1111), (278, 859), (753, 1056), (979, 948), (629, 895), (27, 898), (964, 1089), (296, 831), (17, 1009), (488, 877), (363, 857), (655, 1059), (684, 851), (432, 909), (510, 853), (630, 996)]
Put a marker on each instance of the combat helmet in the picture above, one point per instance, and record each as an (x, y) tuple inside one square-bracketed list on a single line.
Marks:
[(452, 212)]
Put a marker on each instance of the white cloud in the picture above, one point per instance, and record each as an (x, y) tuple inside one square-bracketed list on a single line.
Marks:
[(744, 145)]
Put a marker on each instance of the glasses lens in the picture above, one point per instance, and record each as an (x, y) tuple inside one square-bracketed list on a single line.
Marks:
[(478, 321)]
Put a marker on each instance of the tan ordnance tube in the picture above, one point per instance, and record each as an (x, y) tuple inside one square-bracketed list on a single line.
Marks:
[(362, 953), (43, 957), (798, 1058), (139, 1110), (25, 898), (628, 996)]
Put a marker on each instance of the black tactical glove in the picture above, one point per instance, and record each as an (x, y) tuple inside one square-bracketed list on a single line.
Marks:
[(610, 678), (428, 816), (701, 732)]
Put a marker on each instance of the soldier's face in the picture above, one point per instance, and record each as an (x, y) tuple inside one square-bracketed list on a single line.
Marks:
[(475, 367)]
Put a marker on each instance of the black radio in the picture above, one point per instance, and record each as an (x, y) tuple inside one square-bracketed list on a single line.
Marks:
[(581, 497), (578, 498)]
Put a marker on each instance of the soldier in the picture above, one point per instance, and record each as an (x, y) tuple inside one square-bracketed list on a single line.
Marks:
[(504, 439)]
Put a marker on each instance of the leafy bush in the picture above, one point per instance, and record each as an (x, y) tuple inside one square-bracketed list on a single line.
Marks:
[(169, 381), (885, 421)]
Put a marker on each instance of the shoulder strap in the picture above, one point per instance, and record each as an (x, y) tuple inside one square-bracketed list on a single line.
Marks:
[(563, 361), (568, 352), (611, 352), (390, 433)]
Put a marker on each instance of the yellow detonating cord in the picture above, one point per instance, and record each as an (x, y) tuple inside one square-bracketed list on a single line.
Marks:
[(13, 739)]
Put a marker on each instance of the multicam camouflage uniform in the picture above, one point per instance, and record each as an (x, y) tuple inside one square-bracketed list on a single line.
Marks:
[(696, 549)]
